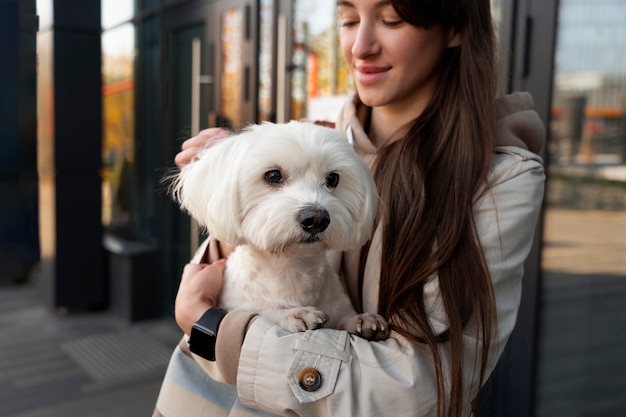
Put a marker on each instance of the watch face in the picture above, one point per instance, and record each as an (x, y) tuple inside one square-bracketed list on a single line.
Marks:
[(202, 342), (203, 328), (204, 333)]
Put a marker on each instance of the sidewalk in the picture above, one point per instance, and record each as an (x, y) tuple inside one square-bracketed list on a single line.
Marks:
[(581, 355), (86, 365)]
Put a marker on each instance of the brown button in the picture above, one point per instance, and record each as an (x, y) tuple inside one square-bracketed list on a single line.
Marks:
[(309, 379)]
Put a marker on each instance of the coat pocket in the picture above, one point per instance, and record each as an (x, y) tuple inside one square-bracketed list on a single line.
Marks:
[(315, 366)]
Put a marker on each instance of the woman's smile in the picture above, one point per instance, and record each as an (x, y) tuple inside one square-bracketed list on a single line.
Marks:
[(368, 74)]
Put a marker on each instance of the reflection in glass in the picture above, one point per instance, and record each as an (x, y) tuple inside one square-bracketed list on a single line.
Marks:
[(582, 359), (320, 78), (231, 72), (266, 29), (496, 14), (118, 153), (590, 84), (115, 12), (45, 15)]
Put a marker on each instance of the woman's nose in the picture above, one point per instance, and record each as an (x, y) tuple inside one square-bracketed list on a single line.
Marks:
[(365, 41)]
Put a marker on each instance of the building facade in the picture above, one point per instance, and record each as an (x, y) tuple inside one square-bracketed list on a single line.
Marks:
[(19, 240)]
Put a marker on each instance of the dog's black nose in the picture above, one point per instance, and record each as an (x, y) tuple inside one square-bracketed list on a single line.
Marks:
[(313, 220)]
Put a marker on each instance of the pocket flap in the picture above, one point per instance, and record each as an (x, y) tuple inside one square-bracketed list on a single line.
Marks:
[(322, 351)]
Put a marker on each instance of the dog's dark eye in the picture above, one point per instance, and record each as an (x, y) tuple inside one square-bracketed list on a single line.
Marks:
[(273, 177), (332, 180)]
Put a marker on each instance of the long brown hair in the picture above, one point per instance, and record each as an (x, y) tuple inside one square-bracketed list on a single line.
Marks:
[(428, 182)]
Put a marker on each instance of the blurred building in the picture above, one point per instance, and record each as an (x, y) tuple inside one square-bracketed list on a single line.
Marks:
[(590, 83)]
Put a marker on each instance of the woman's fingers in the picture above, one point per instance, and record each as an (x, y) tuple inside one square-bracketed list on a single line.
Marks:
[(204, 139), (198, 291)]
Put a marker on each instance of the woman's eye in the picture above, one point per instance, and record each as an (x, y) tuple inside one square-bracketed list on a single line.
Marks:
[(347, 18), (348, 23), (332, 180), (393, 23), (273, 176), (390, 18)]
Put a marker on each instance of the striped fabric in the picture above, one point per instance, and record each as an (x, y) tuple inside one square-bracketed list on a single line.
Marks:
[(187, 391)]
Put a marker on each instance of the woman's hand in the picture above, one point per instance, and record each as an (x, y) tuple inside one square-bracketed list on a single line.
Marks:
[(199, 290), (204, 139)]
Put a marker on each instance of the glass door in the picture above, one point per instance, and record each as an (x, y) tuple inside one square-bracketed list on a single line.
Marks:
[(184, 98), (313, 80), (211, 68), (581, 353), (233, 62)]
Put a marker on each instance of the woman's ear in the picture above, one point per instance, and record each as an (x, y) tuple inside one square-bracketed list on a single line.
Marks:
[(454, 38)]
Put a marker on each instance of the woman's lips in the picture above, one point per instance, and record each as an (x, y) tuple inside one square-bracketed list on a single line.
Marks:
[(367, 74)]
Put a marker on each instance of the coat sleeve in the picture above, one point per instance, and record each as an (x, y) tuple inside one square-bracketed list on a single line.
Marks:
[(394, 377)]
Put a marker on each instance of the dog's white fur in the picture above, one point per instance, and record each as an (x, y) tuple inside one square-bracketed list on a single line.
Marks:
[(269, 191)]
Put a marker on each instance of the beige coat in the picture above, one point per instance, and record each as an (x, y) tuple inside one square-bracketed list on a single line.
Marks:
[(394, 377)]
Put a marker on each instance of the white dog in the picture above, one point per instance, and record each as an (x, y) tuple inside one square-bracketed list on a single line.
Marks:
[(285, 195)]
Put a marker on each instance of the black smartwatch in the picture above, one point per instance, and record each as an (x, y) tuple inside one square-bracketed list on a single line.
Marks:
[(204, 333)]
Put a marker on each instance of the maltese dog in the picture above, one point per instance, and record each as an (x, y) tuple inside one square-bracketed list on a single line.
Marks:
[(287, 196)]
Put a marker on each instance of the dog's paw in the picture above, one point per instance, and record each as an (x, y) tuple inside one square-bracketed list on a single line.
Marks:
[(303, 319), (369, 326)]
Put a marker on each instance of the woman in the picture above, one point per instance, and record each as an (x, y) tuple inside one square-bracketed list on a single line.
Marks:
[(461, 188)]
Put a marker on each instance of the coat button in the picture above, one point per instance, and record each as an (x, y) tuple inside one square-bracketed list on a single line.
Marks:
[(309, 379)]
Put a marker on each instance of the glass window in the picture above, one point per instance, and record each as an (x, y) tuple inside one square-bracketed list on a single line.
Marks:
[(44, 12), (497, 15), (320, 78), (266, 32), (118, 99), (590, 84), (582, 359), (232, 74), (115, 12)]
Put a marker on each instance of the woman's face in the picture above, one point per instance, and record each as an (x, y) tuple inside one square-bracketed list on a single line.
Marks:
[(393, 63)]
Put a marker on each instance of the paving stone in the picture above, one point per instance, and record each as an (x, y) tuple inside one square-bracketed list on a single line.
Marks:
[(88, 365)]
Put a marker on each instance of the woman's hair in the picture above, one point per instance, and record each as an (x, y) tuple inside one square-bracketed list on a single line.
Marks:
[(428, 182)]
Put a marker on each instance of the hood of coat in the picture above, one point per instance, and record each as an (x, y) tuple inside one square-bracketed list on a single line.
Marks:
[(518, 124)]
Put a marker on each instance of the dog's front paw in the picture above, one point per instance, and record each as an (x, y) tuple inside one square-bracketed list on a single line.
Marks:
[(369, 326), (303, 319)]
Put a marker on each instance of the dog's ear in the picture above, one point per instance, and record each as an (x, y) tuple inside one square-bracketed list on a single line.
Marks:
[(207, 189)]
